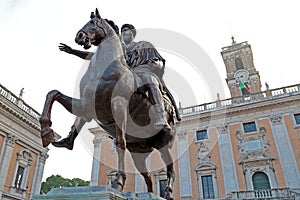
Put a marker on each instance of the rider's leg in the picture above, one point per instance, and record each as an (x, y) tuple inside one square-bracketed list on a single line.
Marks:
[(156, 100), (68, 142)]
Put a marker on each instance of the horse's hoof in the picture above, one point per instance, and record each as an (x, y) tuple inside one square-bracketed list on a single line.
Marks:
[(47, 136), (117, 185), (169, 196), (169, 193), (66, 142)]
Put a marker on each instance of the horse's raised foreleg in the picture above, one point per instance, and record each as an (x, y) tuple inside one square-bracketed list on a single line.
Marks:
[(139, 160), (119, 109), (68, 142), (45, 119), (167, 158)]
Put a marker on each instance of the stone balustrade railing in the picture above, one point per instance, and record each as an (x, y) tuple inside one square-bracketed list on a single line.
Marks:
[(261, 96), (18, 102), (276, 193)]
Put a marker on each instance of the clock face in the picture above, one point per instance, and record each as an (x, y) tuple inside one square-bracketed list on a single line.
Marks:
[(241, 75)]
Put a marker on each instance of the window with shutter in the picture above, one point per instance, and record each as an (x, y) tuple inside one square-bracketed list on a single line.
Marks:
[(260, 181)]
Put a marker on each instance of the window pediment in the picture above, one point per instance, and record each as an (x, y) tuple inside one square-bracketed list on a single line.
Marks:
[(205, 166)]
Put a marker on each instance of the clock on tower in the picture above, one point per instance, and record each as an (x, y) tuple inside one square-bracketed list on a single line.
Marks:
[(241, 72)]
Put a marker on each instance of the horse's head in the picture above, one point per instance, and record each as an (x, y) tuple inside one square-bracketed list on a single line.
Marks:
[(92, 32)]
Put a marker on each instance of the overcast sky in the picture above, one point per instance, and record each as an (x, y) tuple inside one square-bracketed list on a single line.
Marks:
[(32, 29)]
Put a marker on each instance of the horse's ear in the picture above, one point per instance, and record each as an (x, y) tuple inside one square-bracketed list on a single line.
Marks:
[(93, 15), (98, 14)]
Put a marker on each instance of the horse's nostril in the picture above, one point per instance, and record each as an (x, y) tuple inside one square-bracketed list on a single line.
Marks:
[(80, 37)]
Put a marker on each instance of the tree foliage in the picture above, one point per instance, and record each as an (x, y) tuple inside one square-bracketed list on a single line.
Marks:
[(57, 181)]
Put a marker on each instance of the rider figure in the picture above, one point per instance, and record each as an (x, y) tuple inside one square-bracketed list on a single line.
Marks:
[(147, 63)]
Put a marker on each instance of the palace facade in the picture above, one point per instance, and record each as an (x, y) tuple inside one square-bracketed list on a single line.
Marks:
[(244, 147), (22, 157)]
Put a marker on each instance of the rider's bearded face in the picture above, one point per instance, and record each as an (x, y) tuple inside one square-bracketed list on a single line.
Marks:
[(127, 35)]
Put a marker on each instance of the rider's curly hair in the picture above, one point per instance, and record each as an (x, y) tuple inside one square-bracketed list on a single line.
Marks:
[(130, 26)]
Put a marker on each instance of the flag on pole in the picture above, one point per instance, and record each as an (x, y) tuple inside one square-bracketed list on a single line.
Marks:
[(245, 89)]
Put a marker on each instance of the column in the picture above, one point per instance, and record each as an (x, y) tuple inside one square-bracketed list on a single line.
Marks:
[(285, 152), (227, 160), (100, 135), (184, 168), (7, 154)]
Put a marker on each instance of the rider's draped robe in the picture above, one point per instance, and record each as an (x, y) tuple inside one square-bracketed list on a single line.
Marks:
[(142, 56)]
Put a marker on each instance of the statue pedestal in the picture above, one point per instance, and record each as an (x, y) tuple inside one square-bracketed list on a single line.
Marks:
[(93, 193)]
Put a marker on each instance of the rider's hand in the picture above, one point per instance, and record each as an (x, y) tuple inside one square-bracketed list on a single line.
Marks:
[(64, 47)]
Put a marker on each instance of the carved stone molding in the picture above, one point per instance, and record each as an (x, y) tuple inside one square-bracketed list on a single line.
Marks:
[(276, 119), (25, 157), (203, 153), (254, 148), (97, 141), (43, 157), (222, 129), (181, 136), (11, 140), (240, 138), (100, 135)]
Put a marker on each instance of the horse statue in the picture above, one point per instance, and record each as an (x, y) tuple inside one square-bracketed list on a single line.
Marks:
[(108, 95)]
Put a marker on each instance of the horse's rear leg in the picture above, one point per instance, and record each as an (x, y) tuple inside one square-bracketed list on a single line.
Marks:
[(119, 108), (167, 158), (68, 142), (139, 160)]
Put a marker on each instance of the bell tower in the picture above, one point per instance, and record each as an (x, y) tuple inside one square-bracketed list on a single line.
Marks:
[(242, 77)]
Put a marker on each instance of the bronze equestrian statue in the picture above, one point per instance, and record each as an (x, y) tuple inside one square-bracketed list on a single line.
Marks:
[(109, 95)]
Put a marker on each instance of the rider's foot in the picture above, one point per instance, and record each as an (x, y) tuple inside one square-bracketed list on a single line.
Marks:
[(160, 119)]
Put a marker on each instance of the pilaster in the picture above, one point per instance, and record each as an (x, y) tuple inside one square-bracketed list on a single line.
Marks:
[(184, 169), (7, 154), (100, 135), (285, 151)]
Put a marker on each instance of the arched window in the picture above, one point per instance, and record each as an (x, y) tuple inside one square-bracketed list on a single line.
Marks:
[(239, 64), (260, 181)]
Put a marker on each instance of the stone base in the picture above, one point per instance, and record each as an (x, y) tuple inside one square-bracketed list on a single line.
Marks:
[(93, 193)]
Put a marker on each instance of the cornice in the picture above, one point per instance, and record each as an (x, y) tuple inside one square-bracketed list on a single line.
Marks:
[(15, 113)]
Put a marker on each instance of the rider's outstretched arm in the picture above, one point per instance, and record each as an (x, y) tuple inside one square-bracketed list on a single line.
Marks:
[(82, 54)]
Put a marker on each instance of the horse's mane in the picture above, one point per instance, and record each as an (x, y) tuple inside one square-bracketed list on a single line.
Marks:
[(113, 25)]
